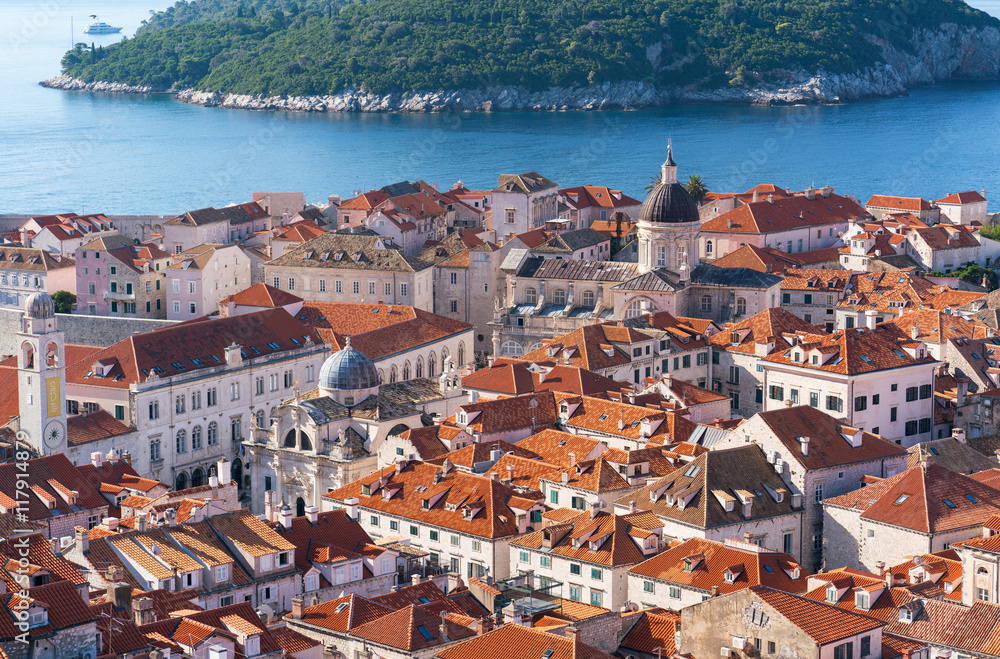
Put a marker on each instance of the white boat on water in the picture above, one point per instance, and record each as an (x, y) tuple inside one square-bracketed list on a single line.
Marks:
[(100, 27)]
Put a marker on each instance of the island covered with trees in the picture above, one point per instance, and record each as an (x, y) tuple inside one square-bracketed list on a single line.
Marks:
[(315, 47)]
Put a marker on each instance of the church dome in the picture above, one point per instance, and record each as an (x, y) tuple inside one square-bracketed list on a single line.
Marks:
[(39, 305), (348, 370), (669, 202)]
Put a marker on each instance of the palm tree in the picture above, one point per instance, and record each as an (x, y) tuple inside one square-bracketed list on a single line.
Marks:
[(696, 188), (653, 182)]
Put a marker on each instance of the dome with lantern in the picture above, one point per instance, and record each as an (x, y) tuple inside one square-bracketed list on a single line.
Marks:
[(348, 375)]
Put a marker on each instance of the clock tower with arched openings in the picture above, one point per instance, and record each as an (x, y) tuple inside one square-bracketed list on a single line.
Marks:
[(41, 376)]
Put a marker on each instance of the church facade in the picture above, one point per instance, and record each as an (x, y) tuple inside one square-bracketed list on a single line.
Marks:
[(546, 298)]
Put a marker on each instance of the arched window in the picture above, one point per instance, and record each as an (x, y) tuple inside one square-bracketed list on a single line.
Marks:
[(392, 373), (512, 348), (27, 355), (381, 376), (444, 359), (741, 306), (196, 438), (708, 247), (182, 481), (271, 416), (420, 367), (982, 570), (289, 439), (213, 433), (587, 299), (197, 477), (634, 309), (300, 507), (182, 441), (52, 355), (259, 417), (406, 370), (530, 296), (431, 364), (559, 297), (461, 353)]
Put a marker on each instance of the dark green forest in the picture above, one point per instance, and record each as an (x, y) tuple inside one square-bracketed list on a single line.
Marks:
[(310, 47)]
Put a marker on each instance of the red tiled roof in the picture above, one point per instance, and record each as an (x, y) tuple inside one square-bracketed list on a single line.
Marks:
[(917, 499), (411, 628), (822, 622), (365, 201), (850, 352), (175, 348), (514, 641), (899, 203), (767, 326), (889, 292), (93, 427), (753, 566), (459, 501), (612, 534), (785, 214), (587, 196), (378, 330), (969, 197), (828, 444), (41, 472), (262, 295), (299, 232), (653, 633), (761, 259)]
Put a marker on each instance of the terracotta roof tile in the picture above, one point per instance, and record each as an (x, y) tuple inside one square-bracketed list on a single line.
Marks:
[(785, 213), (517, 642), (653, 633), (249, 533), (822, 622), (969, 197), (919, 499), (411, 628), (603, 538), (898, 203)]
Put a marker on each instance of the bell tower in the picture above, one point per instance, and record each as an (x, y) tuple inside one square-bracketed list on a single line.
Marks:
[(41, 376)]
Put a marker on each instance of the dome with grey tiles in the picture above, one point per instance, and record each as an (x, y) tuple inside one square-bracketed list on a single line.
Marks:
[(348, 370), (39, 305), (668, 202)]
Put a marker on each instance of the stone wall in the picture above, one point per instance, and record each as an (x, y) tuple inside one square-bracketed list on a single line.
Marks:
[(100, 331)]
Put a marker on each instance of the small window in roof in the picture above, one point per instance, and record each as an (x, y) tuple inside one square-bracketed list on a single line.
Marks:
[(547, 654), (901, 499), (423, 600), (426, 634), (898, 352), (272, 345), (934, 451), (603, 417), (949, 503), (767, 568), (865, 359), (294, 340), (340, 607), (971, 498), (692, 471), (196, 361), (179, 366), (215, 358)]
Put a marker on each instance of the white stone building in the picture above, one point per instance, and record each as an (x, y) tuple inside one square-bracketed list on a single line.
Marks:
[(522, 202), (200, 277)]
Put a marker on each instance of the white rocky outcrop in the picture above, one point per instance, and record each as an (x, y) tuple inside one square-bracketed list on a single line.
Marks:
[(951, 52)]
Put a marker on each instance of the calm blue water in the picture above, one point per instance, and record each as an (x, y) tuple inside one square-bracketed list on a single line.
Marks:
[(133, 154)]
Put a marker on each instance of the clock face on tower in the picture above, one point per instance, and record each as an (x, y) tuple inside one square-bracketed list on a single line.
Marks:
[(54, 435)]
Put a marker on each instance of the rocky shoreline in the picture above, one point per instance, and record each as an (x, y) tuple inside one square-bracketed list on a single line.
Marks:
[(946, 54)]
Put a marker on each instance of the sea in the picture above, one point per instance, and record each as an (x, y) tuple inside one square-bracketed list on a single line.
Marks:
[(149, 154)]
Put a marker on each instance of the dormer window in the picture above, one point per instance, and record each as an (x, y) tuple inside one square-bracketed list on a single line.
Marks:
[(462, 418), (831, 594), (861, 600), (688, 565)]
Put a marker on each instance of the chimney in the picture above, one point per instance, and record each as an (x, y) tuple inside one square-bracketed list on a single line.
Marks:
[(959, 435), (880, 565), (572, 458), (804, 445), (312, 514), (914, 331), (632, 507), (729, 223), (286, 517), (715, 591), (748, 537), (142, 611), (213, 482), (121, 596), (352, 507), (416, 578), (96, 458), (171, 517), (82, 541), (870, 315), (269, 506), (443, 627), (595, 508), (510, 473), (298, 606), (54, 546), (573, 634), (141, 522), (770, 198), (962, 385)]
